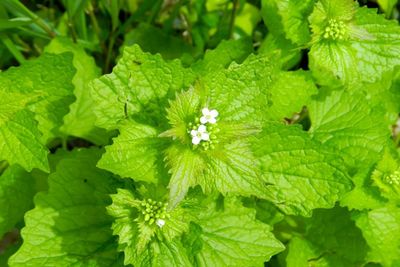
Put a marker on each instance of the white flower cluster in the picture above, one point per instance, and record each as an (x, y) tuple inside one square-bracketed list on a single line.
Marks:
[(200, 133)]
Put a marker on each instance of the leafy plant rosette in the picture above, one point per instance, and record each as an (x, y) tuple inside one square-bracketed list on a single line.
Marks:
[(208, 131), (226, 162)]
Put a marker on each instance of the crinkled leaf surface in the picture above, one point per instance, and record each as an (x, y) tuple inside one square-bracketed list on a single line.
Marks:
[(223, 55), (326, 243), (185, 167), (20, 137), (365, 195), (301, 174), (50, 77), (371, 48), (348, 123), (44, 84), (80, 120), (289, 93), (273, 44), (239, 93), (236, 170), (138, 88), (380, 228), (246, 92), (232, 237), (69, 225), (135, 153), (288, 17), (16, 196)]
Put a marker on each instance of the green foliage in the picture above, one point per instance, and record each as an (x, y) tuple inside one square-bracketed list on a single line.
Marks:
[(316, 177), (71, 218), (199, 133), (326, 244)]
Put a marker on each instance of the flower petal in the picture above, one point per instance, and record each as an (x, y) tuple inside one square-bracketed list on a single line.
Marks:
[(205, 111), (160, 223), (212, 120), (203, 119), (193, 132), (214, 113), (196, 140), (202, 129), (205, 136)]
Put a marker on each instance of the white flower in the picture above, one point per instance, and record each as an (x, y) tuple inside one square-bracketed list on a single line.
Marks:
[(160, 223), (200, 134), (209, 116)]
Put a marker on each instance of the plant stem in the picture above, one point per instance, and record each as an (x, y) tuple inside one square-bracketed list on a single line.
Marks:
[(13, 49), (109, 52), (93, 19), (233, 15), (17, 7)]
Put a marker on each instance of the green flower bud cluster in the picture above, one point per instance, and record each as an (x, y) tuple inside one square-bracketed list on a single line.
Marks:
[(213, 130), (335, 30), (154, 212), (394, 178), (195, 125)]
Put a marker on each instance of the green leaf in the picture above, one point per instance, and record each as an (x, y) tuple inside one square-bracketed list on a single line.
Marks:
[(138, 88), (16, 196), (135, 153), (240, 93), (289, 93), (384, 92), (368, 48), (331, 239), (380, 52), (380, 228), (182, 112), (44, 84), (168, 254), (364, 194), (247, 18), (232, 237), (80, 120), (233, 170), (247, 92), (185, 167), (124, 225), (387, 6), (69, 224), (223, 55), (48, 76), (13, 23), (289, 54), (288, 17), (18, 129), (348, 124), (301, 174), (300, 251)]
